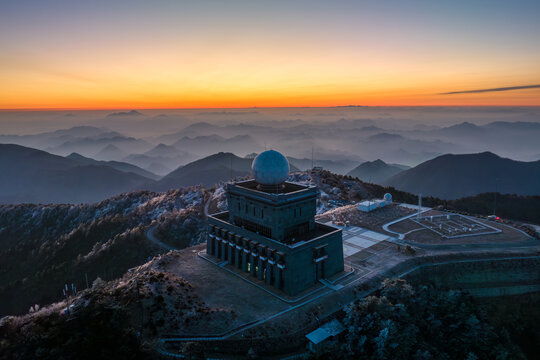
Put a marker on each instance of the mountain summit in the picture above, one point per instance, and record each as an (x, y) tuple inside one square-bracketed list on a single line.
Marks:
[(374, 171), (454, 176)]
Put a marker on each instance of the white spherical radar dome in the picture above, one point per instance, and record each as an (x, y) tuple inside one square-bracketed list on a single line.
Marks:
[(270, 168)]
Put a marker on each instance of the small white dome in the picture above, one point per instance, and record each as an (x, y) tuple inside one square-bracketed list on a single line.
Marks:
[(270, 168), (388, 197)]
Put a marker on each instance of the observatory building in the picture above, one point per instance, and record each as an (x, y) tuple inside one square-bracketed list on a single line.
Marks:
[(270, 230)]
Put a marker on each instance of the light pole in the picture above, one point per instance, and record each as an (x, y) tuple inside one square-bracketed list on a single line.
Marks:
[(68, 292)]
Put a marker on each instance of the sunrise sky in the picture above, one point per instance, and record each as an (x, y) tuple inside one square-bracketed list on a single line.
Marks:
[(181, 54)]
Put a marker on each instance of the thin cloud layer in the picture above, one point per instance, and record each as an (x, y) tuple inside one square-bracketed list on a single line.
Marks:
[(508, 88)]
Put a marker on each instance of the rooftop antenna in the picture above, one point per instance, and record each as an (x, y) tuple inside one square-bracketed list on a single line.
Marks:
[(419, 206), (277, 185), (230, 167), (312, 162), (495, 197)]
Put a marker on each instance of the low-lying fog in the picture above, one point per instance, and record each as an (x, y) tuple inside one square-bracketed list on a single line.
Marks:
[(162, 140)]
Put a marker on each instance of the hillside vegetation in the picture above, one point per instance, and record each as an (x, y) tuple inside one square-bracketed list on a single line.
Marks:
[(44, 246), (406, 322)]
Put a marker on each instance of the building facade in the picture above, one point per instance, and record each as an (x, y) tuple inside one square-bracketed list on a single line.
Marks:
[(270, 232)]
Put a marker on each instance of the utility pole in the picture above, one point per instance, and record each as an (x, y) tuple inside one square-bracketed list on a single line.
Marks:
[(419, 206), (68, 293), (140, 305), (495, 197)]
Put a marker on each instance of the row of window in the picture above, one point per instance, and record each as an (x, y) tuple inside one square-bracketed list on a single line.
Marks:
[(254, 227), (254, 210), (297, 211)]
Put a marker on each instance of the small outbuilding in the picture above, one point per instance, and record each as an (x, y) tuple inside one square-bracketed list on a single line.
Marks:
[(370, 205), (326, 332), (367, 206)]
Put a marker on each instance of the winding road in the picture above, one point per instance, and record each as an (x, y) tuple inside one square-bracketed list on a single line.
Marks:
[(152, 237)]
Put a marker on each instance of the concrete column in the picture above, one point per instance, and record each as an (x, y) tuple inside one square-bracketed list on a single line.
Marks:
[(245, 259), (278, 278), (260, 271), (230, 250), (253, 265), (223, 249), (269, 269), (238, 257)]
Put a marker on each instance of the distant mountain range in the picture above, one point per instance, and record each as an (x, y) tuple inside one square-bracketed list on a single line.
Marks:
[(30, 175), (455, 176), (208, 172), (376, 172), (211, 144), (118, 165), (163, 150), (125, 113), (110, 152), (57, 138), (335, 166)]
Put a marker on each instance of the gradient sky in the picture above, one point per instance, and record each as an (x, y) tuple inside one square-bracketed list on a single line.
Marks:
[(178, 54)]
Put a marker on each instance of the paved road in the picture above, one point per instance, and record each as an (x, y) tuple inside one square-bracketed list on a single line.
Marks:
[(400, 235), (152, 237)]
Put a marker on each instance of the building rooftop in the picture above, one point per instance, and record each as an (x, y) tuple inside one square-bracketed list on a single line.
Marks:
[(326, 331), (286, 188), (285, 193)]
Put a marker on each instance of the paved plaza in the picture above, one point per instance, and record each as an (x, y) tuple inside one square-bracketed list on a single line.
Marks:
[(357, 239)]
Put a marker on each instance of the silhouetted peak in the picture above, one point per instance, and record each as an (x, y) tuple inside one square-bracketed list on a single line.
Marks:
[(126, 113), (378, 162), (75, 156)]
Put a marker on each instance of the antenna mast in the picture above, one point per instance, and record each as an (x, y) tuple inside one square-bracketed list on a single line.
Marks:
[(495, 198), (419, 206)]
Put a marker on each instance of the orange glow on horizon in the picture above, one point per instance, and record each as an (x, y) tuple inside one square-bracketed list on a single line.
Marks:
[(197, 57)]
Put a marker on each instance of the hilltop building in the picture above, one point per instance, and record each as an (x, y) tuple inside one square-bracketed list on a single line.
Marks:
[(370, 205), (270, 229)]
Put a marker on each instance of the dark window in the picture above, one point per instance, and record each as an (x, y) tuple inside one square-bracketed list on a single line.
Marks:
[(300, 211), (238, 206), (262, 214), (254, 211), (246, 208), (251, 226)]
